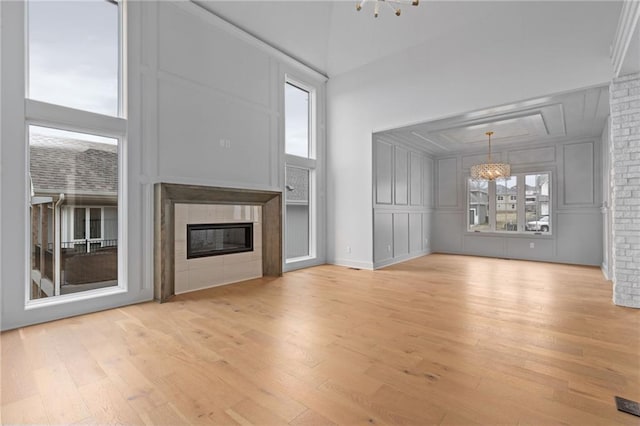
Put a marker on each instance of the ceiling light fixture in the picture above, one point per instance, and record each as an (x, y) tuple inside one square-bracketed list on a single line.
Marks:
[(390, 3), (489, 170)]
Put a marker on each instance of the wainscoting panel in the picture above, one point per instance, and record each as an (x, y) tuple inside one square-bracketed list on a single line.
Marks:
[(447, 182), (484, 245), (383, 242), (383, 172), (401, 173), (400, 234), (415, 233), (429, 187), (579, 173), (447, 231), (403, 192), (579, 237), (520, 248), (533, 156), (426, 232), (416, 181)]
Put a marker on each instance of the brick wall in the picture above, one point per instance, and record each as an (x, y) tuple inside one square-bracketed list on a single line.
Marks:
[(625, 189)]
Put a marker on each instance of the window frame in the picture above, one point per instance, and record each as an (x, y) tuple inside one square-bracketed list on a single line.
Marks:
[(43, 114), (311, 119), (122, 55), (310, 163), (520, 206)]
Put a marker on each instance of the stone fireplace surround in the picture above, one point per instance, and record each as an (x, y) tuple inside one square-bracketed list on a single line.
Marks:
[(167, 195)]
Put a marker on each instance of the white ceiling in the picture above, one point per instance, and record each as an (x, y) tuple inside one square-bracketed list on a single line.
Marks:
[(333, 38), (570, 116)]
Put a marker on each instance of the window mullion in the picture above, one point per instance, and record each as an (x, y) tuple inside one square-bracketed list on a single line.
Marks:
[(521, 202), (493, 205)]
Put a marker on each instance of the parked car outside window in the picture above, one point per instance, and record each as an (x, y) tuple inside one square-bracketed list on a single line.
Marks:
[(542, 224)]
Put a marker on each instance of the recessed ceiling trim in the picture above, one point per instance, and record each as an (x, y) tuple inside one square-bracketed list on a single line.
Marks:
[(525, 125), (562, 117), (499, 117), (418, 135)]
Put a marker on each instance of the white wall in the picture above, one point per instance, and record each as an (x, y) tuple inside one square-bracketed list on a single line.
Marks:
[(546, 52)]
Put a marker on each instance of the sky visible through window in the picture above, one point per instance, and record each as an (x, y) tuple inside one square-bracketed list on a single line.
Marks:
[(74, 54), (296, 102)]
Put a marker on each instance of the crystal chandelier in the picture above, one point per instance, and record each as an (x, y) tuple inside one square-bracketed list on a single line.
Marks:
[(389, 3), (489, 170)]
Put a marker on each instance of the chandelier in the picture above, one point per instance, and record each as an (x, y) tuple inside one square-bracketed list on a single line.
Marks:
[(489, 170), (389, 3)]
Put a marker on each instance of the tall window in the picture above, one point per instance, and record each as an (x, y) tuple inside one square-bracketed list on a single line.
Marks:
[(74, 54), (297, 120), (300, 168), (506, 211), (76, 132), (520, 203)]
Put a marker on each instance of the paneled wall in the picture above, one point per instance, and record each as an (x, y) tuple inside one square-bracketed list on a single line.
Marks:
[(212, 101), (216, 115), (204, 106), (403, 202), (576, 201)]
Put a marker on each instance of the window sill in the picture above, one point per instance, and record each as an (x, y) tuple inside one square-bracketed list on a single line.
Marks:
[(546, 235), (299, 259), (74, 297)]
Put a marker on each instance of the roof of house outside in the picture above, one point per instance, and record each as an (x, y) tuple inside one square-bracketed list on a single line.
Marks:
[(65, 165)]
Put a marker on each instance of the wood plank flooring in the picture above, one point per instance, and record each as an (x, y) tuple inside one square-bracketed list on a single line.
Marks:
[(442, 340)]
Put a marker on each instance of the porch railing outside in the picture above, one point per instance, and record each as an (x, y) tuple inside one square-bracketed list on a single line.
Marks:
[(82, 262)]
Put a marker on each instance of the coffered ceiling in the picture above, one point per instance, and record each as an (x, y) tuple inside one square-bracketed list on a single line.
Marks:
[(569, 116)]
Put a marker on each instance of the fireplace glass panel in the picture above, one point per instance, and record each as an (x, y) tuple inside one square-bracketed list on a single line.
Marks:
[(215, 239)]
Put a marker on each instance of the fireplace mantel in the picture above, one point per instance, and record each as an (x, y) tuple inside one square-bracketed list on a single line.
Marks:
[(167, 195)]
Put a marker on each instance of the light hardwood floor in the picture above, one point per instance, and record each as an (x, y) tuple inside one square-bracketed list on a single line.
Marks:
[(448, 340)]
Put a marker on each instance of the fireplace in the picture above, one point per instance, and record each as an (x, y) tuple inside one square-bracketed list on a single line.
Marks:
[(167, 195), (215, 239)]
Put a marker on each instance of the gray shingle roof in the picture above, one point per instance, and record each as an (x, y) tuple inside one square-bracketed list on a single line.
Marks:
[(72, 166)]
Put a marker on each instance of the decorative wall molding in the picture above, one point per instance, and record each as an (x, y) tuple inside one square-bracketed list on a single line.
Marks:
[(579, 186), (625, 33), (241, 34)]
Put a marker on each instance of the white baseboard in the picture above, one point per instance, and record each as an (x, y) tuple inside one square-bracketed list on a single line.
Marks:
[(351, 263), (393, 261)]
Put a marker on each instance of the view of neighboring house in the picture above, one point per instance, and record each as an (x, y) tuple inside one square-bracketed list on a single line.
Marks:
[(74, 214), (536, 203), (478, 205), (297, 213), (537, 197)]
